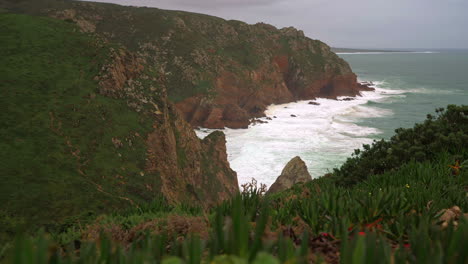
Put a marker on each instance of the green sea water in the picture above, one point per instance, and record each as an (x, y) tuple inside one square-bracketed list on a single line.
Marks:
[(418, 83)]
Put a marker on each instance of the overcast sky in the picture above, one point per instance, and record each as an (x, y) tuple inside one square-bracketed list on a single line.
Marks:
[(345, 23)]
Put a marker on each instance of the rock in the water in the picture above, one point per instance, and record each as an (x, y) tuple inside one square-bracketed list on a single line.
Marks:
[(313, 103), (294, 172), (256, 121), (293, 115), (367, 83)]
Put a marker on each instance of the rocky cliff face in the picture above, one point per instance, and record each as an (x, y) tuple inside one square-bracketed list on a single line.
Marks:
[(190, 170), (219, 73)]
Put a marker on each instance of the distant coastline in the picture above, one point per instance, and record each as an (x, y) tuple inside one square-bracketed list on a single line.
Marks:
[(382, 51), (414, 50), (348, 50)]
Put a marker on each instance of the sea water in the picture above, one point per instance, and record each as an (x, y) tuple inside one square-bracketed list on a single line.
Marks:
[(408, 86)]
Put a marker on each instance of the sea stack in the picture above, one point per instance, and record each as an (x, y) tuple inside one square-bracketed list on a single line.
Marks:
[(294, 172)]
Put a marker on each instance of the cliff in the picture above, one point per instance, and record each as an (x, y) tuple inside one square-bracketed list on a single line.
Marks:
[(219, 73), (86, 129)]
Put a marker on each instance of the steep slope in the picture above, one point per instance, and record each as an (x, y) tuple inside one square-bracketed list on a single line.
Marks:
[(84, 129), (219, 73)]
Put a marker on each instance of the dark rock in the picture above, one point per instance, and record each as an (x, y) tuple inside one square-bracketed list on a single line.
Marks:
[(313, 103), (256, 121), (367, 83), (293, 115)]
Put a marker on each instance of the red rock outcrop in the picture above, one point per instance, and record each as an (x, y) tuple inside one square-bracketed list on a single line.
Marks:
[(234, 106), (281, 77)]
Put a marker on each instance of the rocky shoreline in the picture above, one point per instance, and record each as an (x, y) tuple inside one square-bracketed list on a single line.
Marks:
[(223, 113), (232, 116)]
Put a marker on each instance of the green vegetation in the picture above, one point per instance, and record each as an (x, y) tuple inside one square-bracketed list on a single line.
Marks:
[(84, 128), (445, 133), (388, 217), (57, 152), (398, 216)]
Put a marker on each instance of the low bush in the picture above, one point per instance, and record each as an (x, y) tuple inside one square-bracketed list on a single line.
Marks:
[(447, 132)]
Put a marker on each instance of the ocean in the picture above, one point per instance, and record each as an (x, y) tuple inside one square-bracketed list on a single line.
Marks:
[(408, 87)]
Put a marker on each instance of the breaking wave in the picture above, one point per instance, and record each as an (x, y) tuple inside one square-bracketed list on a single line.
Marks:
[(322, 135)]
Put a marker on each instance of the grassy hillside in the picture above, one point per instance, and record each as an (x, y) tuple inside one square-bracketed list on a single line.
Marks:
[(209, 66), (411, 214), (86, 128), (193, 49), (56, 152)]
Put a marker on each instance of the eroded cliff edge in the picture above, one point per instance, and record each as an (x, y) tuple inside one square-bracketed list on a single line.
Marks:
[(186, 169), (219, 73), (87, 129)]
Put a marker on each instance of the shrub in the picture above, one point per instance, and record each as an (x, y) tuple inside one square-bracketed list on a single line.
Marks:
[(448, 132)]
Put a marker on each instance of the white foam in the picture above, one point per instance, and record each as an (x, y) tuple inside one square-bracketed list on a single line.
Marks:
[(401, 93), (322, 135)]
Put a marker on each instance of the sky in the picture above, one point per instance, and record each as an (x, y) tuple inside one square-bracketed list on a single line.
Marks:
[(397, 24)]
